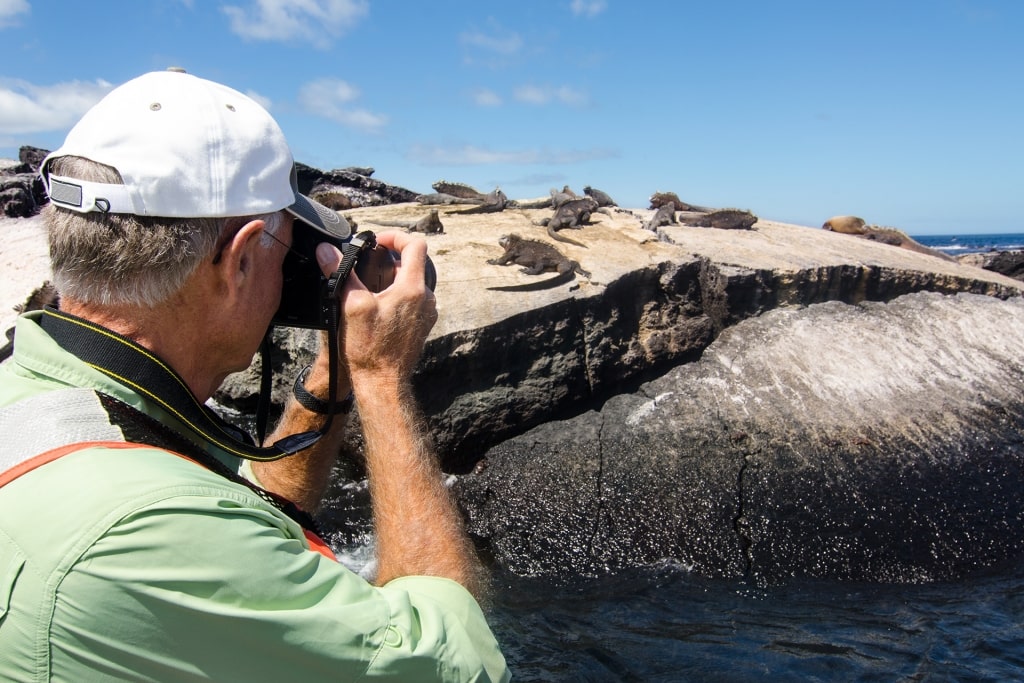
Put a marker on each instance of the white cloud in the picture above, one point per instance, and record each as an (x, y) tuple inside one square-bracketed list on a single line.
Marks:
[(531, 94), (588, 8), (332, 98), (28, 108), (486, 98), (502, 42), (540, 95), (315, 21), (471, 155), (9, 11)]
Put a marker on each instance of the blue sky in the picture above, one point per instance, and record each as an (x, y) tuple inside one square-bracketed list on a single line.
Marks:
[(909, 113)]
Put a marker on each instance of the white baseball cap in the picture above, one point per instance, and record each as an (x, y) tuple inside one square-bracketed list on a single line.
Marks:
[(185, 148)]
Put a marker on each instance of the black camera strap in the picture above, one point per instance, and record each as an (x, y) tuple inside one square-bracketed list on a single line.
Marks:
[(136, 367)]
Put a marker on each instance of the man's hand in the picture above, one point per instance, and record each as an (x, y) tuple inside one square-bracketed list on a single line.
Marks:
[(383, 333), (419, 529)]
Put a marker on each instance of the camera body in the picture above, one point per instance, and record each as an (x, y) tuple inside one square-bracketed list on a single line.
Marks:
[(305, 294)]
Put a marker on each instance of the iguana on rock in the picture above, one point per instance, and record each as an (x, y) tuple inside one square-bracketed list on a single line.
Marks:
[(536, 257), (492, 203), (529, 203), (460, 190), (333, 200), (601, 198), (440, 198), (559, 197), (365, 171), (428, 225), (572, 214), (725, 219), (659, 199), (665, 215)]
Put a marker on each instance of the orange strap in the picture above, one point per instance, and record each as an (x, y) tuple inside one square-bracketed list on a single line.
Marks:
[(26, 466), (319, 545), (316, 543)]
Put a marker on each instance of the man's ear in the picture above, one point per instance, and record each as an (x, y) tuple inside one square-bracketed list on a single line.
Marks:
[(239, 253)]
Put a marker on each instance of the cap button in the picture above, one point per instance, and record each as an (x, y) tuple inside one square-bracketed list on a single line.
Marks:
[(176, 69)]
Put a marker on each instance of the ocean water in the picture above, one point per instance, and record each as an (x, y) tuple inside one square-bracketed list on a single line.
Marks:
[(956, 245), (662, 624)]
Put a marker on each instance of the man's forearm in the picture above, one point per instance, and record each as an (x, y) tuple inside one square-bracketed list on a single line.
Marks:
[(302, 478), (418, 526)]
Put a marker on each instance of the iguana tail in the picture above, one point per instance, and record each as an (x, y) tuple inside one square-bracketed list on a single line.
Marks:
[(561, 238)]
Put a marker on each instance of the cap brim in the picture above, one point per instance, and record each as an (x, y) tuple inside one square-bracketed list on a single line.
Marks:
[(318, 216)]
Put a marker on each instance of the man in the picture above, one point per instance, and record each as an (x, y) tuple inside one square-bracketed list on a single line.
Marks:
[(130, 548)]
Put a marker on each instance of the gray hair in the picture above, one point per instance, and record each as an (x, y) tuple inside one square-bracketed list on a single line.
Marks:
[(122, 259)]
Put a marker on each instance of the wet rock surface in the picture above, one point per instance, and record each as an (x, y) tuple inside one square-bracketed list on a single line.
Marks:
[(879, 441)]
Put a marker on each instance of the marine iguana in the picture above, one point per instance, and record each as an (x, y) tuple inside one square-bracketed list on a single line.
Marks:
[(448, 192), (725, 219), (572, 214), (529, 203), (659, 199), (460, 190), (559, 197), (334, 200), (429, 224), (365, 171), (440, 198), (492, 203), (601, 198), (665, 215), (536, 257)]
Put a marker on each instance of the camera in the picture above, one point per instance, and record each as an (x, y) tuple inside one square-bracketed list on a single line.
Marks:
[(306, 293)]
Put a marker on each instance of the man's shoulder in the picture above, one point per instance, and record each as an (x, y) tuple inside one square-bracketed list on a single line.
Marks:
[(130, 496), (122, 471)]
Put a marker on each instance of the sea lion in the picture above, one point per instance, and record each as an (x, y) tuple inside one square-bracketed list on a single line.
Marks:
[(850, 225)]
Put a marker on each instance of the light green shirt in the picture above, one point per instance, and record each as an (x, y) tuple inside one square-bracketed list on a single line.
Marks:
[(136, 564)]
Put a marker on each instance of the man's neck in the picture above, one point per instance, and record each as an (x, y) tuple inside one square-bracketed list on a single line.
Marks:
[(172, 332)]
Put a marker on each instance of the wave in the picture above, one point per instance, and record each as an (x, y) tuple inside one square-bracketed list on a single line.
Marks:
[(956, 245)]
